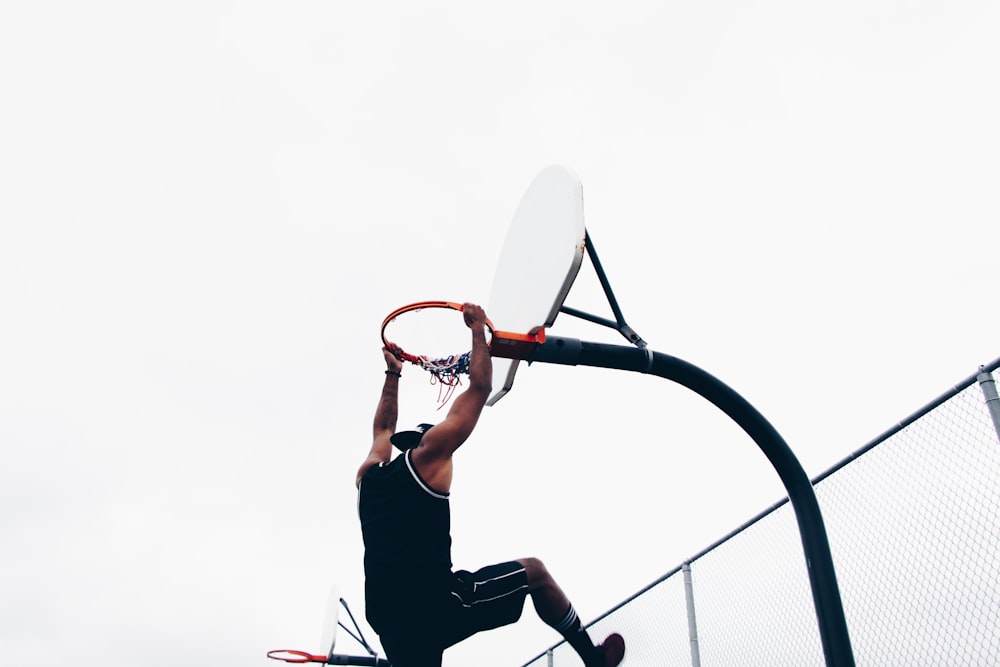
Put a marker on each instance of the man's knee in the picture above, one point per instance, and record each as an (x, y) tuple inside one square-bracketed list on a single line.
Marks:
[(537, 573)]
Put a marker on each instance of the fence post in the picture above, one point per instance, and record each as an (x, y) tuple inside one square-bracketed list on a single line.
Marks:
[(692, 622), (989, 388), (551, 657)]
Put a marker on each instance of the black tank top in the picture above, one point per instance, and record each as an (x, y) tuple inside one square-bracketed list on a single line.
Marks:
[(406, 526)]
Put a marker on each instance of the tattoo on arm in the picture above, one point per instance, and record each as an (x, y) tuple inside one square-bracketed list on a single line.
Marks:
[(388, 405)]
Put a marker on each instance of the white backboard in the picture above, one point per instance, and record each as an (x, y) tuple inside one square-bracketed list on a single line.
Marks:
[(329, 638), (541, 257)]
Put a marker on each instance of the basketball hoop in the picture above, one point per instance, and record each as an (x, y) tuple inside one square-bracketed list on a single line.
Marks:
[(371, 660), (289, 655), (447, 368), (295, 656)]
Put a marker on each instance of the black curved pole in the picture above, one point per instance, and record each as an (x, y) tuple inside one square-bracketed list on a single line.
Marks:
[(819, 561)]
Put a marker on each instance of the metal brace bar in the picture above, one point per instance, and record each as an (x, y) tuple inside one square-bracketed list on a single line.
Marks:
[(619, 323)]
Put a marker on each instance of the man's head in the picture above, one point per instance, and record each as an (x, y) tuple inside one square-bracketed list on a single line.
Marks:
[(409, 439)]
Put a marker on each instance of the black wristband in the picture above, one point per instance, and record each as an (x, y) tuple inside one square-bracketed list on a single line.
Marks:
[(396, 373)]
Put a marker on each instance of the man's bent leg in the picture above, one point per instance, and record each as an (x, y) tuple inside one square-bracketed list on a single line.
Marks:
[(555, 610)]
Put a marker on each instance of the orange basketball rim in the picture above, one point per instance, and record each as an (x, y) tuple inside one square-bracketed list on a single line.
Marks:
[(506, 344)]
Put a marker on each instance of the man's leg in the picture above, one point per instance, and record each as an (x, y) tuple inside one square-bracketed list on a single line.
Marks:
[(555, 610)]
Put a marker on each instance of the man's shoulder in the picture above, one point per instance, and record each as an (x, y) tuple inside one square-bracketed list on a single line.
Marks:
[(383, 468)]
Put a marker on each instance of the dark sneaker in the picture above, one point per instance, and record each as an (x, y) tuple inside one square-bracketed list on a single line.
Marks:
[(613, 650)]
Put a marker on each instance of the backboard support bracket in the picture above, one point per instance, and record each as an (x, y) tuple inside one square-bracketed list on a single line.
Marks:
[(618, 324), (510, 345)]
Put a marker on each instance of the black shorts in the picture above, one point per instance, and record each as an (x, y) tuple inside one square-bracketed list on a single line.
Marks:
[(482, 600)]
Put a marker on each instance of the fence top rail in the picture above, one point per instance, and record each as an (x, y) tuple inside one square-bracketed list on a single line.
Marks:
[(956, 389)]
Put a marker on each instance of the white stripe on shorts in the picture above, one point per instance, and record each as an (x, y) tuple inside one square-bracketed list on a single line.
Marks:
[(477, 584), (469, 605)]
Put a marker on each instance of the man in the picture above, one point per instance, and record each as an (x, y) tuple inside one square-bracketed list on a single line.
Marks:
[(414, 601)]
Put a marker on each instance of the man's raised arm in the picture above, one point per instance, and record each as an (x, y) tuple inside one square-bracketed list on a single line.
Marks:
[(433, 456), (386, 413)]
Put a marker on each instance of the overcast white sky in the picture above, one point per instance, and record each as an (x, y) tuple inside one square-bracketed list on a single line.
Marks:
[(207, 208)]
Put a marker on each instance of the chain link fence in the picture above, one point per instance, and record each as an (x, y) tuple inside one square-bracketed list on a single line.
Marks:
[(913, 520)]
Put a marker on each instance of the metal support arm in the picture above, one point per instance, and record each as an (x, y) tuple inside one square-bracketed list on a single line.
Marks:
[(819, 561)]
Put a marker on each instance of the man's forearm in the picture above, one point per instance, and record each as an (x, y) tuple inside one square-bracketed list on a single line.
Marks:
[(480, 362), (388, 405)]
